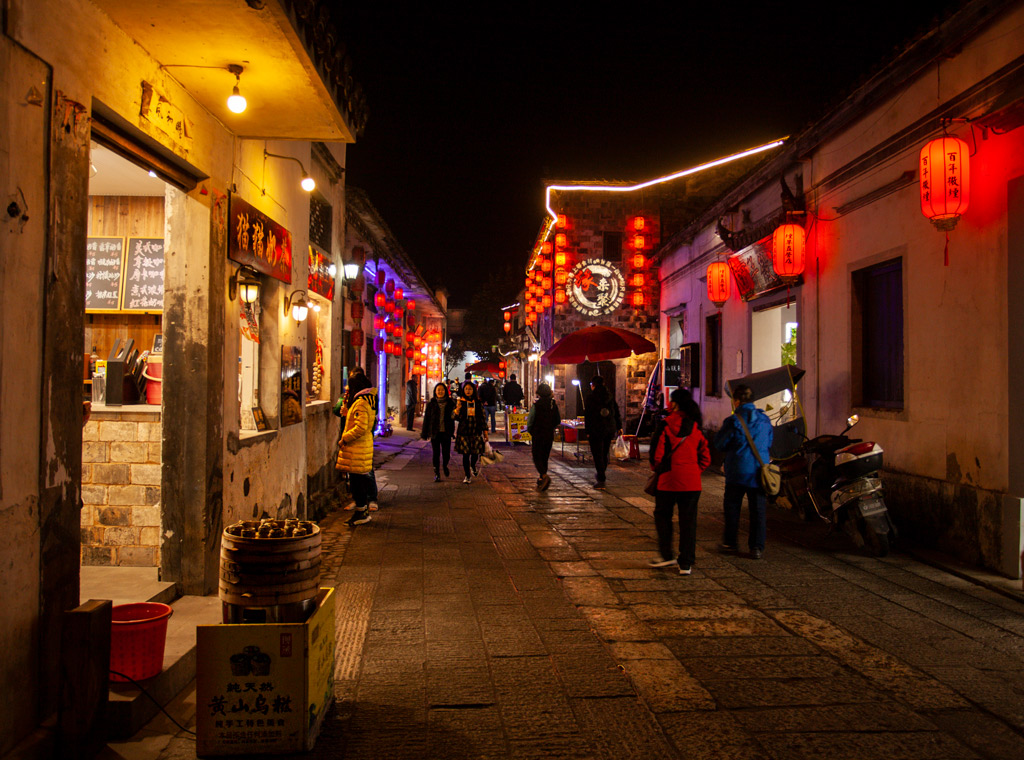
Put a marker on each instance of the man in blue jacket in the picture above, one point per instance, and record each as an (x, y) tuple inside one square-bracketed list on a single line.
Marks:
[(741, 469)]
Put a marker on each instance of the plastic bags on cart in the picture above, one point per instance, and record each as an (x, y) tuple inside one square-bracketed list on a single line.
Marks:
[(620, 449)]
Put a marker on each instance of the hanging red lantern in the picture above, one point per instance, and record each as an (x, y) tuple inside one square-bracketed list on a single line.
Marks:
[(381, 276), (378, 323), (389, 287), (788, 250), (410, 305), (945, 181), (389, 328), (357, 310), (398, 311), (501, 374), (501, 364), (378, 345), (409, 353), (560, 259), (718, 283), (545, 265), (545, 247), (399, 294), (356, 338), (560, 240), (638, 242), (639, 261), (379, 300), (399, 332), (638, 298), (529, 282), (561, 221), (560, 296), (546, 302), (638, 223), (508, 316), (508, 327), (637, 280), (389, 307), (561, 277), (545, 284)]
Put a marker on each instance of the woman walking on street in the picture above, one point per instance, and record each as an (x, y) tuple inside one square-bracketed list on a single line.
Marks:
[(355, 450), (438, 427), (680, 452), (602, 423), (544, 420), (472, 433)]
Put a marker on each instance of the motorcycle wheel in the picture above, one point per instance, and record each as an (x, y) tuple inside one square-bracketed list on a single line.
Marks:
[(877, 543)]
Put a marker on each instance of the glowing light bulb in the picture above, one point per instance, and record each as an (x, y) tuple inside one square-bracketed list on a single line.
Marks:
[(308, 184), (236, 101)]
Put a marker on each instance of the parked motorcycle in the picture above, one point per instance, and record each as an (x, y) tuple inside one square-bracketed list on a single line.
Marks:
[(835, 478)]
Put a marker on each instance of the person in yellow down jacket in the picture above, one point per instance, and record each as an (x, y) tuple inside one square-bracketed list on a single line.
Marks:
[(355, 450)]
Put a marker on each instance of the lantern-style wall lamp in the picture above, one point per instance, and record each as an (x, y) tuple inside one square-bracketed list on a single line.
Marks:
[(245, 284), (350, 270), (308, 183), (298, 305)]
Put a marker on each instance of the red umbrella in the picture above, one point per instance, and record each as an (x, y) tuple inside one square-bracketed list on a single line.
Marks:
[(485, 367), (597, 344)]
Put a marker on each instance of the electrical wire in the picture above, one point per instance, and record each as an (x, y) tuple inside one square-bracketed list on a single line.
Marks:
[(143, 690)]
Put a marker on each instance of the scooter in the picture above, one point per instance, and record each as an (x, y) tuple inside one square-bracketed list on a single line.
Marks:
[(835, 478)]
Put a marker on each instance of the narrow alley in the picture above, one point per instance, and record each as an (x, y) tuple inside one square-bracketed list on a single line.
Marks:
[(492, 621)]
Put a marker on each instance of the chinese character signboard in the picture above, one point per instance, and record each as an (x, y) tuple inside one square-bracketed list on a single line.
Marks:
[(144, 275), (104, 264), (596, 287), (264, 688), (257, 241), (320, 279), (291, 385), (753, 271)]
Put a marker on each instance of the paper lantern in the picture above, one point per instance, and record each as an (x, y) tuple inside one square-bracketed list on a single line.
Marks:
[(945, 181), (638, 242), (410, 305), (379, 300), (389, 307), (561, 221), (508, 327), (638, 298), (546, 302), (389, 287), (788, 250), (399, 294), (638, 223), (545, 247), (380, 277), (560, 296), (508, 316), (411, 322), (356, 310), (561, 277), (356, 338), (637, 280), (378, 345), (529, 281), (409, 353), (560, 240), (545, 284), (399, 332), (545, 265), (718, 283), (389, 328), (501, 364), (639, 261), (378, 323), (501, 374), (560, 259)]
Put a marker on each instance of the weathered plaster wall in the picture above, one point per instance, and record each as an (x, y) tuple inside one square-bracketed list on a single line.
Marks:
[(23, 133)]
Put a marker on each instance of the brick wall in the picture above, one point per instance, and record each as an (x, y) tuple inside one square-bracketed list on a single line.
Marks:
[(121, 489)]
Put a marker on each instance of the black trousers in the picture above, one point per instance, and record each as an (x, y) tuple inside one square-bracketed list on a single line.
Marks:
[(541, 453), (410, 415), (442, 446), (363, 487), (469, 462), (599, 448), (664, 505)]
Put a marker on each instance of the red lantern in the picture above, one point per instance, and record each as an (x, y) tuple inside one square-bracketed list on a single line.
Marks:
[(639, 261), (545, 247), (399, 294), (410, 305), (560, 259), (638, 223), (718, 283), (508, 327), (501, 364), (529, 282), (560, 296), (389, 287), (378, 345), (560, 240), (357, 310), (637, 280), (399, 332), (561, 277), (379, 300), (389, 307), (380, 277), (508, 316), (501, 374), (788, 249), (638, 242), (945, 181), (561, 221), (638, 298), (545, 284), (378, 323), (356, 338), (409, 353), (546, 302), (389, 328), (545, 265)]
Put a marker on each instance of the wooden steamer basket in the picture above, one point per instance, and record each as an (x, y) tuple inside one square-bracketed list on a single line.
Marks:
[(269, 580)]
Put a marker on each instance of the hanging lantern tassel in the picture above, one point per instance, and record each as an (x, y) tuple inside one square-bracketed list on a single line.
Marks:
[(946, 251)]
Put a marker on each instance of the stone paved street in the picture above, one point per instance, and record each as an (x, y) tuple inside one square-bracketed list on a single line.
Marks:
[(492, 621)]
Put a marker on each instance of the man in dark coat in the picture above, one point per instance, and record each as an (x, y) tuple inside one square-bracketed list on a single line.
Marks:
[(741, 469), (602, 423), (544, 421), (489, 398), (512, 393), (412, 393)]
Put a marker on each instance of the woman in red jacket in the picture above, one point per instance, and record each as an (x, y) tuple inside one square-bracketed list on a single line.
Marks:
[(681, 440)]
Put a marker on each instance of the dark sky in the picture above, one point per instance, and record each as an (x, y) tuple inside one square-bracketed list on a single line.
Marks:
[(472, 106)]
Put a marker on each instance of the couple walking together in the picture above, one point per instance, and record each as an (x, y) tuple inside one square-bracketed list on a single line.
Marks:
[(680, 453), (470, 432)]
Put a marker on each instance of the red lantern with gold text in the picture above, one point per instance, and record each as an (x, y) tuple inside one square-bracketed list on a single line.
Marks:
[(638, 223), (639, 260), (561, 221), (546, 302), (356, 338), (561, 276), (638, 298), (945, 181), (560, 259), (788, 250), (545, 284), (718, 283), (637, 280), (560, 240)]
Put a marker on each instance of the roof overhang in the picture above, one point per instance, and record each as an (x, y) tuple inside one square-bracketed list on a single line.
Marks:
[(288, 97)]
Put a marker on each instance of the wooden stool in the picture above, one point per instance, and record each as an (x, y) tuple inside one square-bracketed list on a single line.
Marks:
[(634, 446)]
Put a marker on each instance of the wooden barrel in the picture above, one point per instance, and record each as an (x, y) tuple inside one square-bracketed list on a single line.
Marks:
[(266, 572)]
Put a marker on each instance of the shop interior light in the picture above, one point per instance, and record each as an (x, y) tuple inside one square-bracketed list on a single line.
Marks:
[(308, 183), (236, 101), (297, 304)]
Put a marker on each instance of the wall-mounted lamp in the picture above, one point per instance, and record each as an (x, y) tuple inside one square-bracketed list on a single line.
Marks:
[(245, 283), (297, 303), (351, 269), (332, 269), (308, 183), (236, 101)]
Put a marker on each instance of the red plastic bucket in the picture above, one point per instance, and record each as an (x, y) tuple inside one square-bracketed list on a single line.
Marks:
[(138, 633), (154, 372)]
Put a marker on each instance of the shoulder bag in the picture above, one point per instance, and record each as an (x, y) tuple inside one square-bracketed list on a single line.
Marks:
[(769, 475), (663, 465)]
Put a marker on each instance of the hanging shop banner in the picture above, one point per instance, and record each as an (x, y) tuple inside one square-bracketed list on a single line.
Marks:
[(752, 268), (320, 280), (291, 385), (596, 287), (144, 275), (257, 241), (104, 264)]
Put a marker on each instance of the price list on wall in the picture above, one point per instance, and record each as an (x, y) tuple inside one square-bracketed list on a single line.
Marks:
[(144, 275), (104, 259)]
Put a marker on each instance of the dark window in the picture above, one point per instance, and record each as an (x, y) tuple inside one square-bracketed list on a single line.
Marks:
[(613, 246), (713, 356), (877, 340), (320, 222)]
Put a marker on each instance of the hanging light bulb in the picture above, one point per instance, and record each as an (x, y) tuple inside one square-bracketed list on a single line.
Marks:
[(308, 183), (236, 101)]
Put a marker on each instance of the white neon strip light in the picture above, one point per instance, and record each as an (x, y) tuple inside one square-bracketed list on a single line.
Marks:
[(642, 185)]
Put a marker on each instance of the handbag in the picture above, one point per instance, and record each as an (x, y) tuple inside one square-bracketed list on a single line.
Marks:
[(769, 475)]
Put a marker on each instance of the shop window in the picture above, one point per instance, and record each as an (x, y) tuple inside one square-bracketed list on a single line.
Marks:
[(877, 339), (320, 222), (317, 358), (612, 246), (251, 414), (713, 355)]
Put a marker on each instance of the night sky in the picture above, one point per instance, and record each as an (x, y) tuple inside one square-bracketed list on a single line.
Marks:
[(472, 106)]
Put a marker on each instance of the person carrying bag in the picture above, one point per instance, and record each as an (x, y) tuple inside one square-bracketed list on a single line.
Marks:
[(679, 454)]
